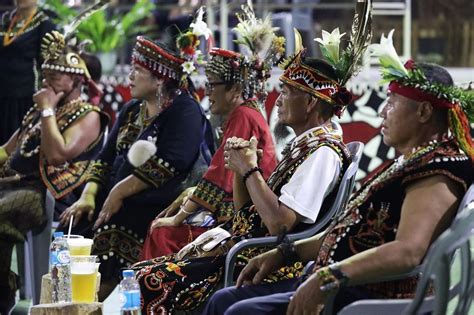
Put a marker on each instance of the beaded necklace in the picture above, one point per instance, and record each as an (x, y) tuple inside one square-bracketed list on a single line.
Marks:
[(398, 165), (10, 36), (33, 132)]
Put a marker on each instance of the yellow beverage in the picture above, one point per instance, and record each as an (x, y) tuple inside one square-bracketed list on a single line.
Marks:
[(80, 246), (83, 287), (80, 250)]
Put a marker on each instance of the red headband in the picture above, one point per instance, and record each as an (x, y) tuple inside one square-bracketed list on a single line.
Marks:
[(419, 95)]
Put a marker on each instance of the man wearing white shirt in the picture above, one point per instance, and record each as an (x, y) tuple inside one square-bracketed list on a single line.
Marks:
[(305, 183)]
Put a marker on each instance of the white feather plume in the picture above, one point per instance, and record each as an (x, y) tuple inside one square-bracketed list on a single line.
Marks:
[(140, 152)]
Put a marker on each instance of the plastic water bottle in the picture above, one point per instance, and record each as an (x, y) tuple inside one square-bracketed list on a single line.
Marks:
[(129, 293), (60, 269)]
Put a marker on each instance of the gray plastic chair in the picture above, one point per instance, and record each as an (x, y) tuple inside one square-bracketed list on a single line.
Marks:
[(436, 268), (37, 253), (345, 189)]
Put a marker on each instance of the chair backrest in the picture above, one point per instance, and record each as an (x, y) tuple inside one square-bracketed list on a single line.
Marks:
[(436, 266), (345, 189)]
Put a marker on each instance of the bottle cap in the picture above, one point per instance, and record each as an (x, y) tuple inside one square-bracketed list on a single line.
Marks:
[(58, 234), (128, 273)]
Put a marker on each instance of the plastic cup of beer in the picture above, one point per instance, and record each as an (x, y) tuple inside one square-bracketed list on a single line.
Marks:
[(83, 278), (79, 246)]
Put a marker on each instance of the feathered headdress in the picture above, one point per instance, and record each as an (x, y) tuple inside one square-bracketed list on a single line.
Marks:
[(410, 81), (345, 64), (61, 51), (261, 47)]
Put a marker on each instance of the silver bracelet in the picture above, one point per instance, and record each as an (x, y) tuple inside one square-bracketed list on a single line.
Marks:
[(184, 210)]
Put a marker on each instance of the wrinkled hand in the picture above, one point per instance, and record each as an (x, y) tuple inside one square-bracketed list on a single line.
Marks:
[(173, 208), (47, 97), (111, 206), (241, 155), (85, 205), (308, 298), (168, 221), (259, 267)]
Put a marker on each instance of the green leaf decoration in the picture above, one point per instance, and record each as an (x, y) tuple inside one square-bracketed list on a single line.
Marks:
[(106, 29)]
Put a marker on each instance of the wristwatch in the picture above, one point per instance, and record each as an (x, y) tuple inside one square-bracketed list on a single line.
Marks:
[(340, 275), (47, 112)]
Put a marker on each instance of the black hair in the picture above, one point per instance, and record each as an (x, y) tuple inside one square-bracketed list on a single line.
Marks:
[(435, 73), (322, 66), (93, 66)]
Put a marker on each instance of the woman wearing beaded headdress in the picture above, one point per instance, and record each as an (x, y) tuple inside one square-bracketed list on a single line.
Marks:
[(21, 31), (301, 187), (51, 150), (232, 86), (149, 153)]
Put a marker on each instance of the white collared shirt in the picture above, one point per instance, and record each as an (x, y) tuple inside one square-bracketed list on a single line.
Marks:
[(313, 180)]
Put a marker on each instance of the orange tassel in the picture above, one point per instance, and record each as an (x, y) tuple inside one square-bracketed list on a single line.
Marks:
[(461, 129)]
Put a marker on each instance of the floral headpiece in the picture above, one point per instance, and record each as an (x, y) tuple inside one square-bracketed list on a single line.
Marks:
[(61, 51), (314, 81), (188, 41), (410, 81), (157, 59)]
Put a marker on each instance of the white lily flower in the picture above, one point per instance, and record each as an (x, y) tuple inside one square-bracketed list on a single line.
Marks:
[(199, 27), (330, 42), (188, 67), (387, 54)]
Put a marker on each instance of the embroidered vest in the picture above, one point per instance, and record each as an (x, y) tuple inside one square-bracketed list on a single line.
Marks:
[(372, 216)]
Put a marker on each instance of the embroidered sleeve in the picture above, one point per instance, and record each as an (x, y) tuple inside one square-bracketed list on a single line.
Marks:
[(155, 172), (209, 195), (99, 173)]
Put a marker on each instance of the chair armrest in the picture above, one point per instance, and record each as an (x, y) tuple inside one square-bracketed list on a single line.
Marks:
[(240, 246)]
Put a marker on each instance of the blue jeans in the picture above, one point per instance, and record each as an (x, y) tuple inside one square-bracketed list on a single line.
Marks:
[(271, 298), (268, 298)]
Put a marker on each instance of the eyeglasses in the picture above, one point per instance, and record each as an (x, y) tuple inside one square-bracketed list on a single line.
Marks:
[(210, 85)]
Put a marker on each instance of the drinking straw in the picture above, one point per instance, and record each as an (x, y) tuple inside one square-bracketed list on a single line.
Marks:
[(70, 226)]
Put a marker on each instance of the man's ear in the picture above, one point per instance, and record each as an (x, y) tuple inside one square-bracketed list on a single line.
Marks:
[(424, 111), (312, 103)]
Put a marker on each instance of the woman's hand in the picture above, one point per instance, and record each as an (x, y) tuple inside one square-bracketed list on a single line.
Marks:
[(168, 221), (241, 155), (85, 205), (173, 208), (111, 206)]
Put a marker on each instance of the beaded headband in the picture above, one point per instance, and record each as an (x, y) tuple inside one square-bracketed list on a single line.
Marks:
[(227, 65), (313, 81), (157, 59), (60, 57)]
